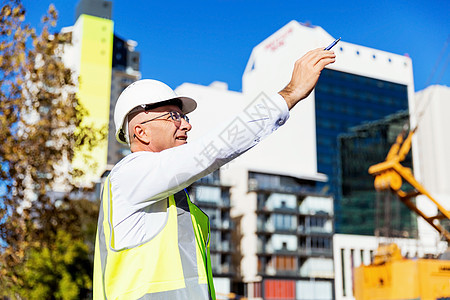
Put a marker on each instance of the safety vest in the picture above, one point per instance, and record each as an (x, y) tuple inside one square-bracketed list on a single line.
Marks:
[(174, 264)]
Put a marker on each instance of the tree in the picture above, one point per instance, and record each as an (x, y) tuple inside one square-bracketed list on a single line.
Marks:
[(41, 126), (60, 271)]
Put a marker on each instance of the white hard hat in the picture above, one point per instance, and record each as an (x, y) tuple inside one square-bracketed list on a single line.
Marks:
[(141, 92)]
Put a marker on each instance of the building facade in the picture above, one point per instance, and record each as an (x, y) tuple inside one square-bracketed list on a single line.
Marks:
[(125, 70), (213, 197), (366, 211), (105, 65), (294, 232), (89, 55)]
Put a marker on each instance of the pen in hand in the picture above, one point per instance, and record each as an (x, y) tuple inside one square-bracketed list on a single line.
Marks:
[(332, 44)]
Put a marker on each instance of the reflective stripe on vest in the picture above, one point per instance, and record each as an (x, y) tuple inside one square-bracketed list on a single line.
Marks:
[(174, 264)]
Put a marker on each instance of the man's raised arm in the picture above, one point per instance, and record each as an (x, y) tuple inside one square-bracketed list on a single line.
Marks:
[(305, 75)]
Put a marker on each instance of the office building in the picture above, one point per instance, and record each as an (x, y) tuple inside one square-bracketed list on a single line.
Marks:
[(344, 100), (365, 210)]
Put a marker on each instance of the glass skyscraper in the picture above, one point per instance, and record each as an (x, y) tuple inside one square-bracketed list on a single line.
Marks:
[(364, 210), (342, 101)]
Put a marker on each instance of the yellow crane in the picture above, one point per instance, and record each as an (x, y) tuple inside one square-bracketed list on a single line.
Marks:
[(390, 276)]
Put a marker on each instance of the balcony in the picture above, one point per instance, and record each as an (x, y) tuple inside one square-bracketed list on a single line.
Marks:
[(265, 247), (306, 230), (284, 251), (211, 196), (317, 267), (271, 271), (308, 252), (255, 186), (285, 210), (312, 205)]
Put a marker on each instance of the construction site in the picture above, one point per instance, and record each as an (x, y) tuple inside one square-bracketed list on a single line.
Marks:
[(349, 200)]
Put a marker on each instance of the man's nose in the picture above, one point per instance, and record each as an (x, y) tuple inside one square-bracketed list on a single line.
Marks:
[(185, 125)]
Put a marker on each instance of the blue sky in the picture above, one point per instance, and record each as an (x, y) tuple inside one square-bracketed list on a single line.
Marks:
[(203, 41)]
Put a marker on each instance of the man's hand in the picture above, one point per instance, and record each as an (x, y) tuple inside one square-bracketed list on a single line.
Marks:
[(305, 75)]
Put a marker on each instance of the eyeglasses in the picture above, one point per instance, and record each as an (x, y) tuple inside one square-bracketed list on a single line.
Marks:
[(174, 115)]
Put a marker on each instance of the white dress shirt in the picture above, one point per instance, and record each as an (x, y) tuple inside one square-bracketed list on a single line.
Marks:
[(141, 179)]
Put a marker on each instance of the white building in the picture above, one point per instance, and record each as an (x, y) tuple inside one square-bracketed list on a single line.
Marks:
[(431, 153)]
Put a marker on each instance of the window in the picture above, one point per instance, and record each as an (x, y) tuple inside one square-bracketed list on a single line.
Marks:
[(284, 222), (212, 178), (208, 194), (320, 243), (285, 263), (343, 273)]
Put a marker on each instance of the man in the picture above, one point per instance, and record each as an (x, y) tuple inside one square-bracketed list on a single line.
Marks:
[(152, 241)]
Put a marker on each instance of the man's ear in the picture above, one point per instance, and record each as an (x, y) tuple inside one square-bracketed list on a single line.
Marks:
[(141, 134)]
